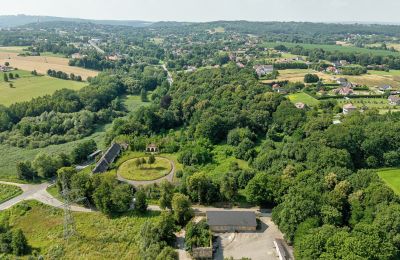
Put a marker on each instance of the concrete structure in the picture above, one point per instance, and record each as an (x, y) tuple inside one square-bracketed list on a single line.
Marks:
[(231, 221), (152, 148)]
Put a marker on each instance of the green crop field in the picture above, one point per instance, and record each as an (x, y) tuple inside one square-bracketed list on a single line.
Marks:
[(346, 49), (28, 86), (98, 236), (303, 98), (145, 172), (7, 192), (392, 178)]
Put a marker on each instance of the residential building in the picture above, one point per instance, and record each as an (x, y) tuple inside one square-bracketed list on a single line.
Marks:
[(394, 100), (263, 70), (345, 91)]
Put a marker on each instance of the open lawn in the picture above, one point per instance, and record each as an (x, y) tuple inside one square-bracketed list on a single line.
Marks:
[(9, 156), (303, 98), (392, 178), (43, 63), (371, 103), (99, 237), (8, 191), (145, 172), (133, 102), (28, 86)]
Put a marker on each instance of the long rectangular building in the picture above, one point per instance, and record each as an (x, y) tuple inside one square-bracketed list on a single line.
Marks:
[(231, 221)]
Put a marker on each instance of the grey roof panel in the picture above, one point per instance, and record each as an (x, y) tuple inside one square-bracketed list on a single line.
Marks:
[(231, 218)]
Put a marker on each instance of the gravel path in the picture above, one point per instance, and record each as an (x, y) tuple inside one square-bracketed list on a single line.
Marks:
[(169, 177)]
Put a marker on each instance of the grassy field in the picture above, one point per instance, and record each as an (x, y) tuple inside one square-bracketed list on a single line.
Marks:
[(42, 63), (99, 237), (371, 103), (303, 98), (373, 78), (9, 156), (132, 102), (392, 178), (297, 75), (345, 49), (8, 191), (28, 86), (145, 172)]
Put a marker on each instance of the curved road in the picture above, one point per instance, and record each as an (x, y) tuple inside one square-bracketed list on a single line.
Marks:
[(36, 192), (169, 177)]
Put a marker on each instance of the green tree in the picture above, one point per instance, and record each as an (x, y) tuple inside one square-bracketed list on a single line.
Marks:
[(258, 191), (151, 160), (168, 253), (45, 165), (166, 194), (181, 208), (140, 201), (19, 243), (311, 78), (5, 77), (25, 171), (143, 95)]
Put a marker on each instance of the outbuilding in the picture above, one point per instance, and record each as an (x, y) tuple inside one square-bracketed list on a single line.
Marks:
[(231, 221)]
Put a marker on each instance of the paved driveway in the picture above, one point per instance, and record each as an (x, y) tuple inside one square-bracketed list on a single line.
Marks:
[(36, 192), (255, 245)]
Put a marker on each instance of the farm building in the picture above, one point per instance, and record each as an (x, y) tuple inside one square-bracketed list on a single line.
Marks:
[(152, 148), (108, 158), (231, 221)]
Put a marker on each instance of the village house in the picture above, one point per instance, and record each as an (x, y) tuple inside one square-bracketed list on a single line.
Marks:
[(394, 100), (231, 221), (332, 69), (240, 65), (341, 81), (345, 91), (108, 158), (385, 88), (263, 70), (348, 108)]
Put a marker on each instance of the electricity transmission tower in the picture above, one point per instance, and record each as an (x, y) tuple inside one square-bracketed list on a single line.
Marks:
[(69, 222)]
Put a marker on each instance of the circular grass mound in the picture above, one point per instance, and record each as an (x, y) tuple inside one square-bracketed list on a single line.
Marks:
[(130, 170)]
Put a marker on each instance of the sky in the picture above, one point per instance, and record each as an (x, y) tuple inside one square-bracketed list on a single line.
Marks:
[(385, 11)]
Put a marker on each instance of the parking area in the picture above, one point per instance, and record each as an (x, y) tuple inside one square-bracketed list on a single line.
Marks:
[(254, 245)]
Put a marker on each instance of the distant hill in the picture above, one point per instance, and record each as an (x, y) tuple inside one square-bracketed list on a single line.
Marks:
[(7, 21)]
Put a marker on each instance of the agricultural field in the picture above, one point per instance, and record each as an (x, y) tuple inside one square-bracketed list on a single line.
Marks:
[(376, 78), (297, 75), (98, 236), (303, 98), (392, 178), (7, 192), (29, 86), (346, 49), (43, 63), (145, 172)]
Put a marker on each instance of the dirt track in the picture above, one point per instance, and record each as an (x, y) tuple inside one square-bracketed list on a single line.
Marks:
[(41, 64)]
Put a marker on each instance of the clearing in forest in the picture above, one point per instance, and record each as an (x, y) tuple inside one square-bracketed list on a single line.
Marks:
[(391, 177)]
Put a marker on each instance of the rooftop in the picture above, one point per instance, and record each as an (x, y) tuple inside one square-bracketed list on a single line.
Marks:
[(231, 218)]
